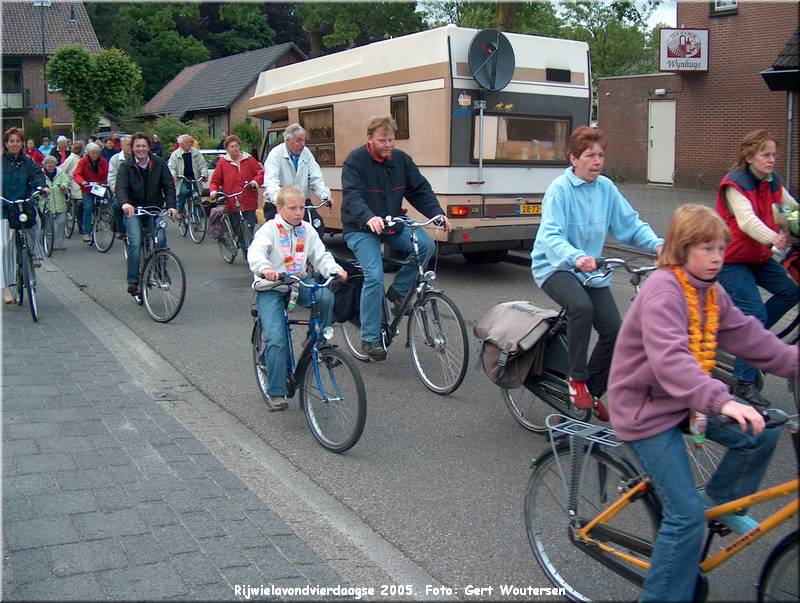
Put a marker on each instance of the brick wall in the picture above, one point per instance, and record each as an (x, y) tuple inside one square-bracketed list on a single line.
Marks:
[(714, 110), (32, 79)]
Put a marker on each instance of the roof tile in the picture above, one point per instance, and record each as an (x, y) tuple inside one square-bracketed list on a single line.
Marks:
[(789, 58), (22, 28)]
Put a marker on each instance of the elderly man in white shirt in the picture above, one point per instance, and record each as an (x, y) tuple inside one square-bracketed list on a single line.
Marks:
[(292, 163)]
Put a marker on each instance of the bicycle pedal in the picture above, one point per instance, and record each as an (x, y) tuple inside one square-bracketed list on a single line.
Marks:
[(717, 527)]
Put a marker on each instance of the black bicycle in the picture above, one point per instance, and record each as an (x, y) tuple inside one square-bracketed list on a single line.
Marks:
[(234, 239), (194, 220), (436, 334), (47, 220), (73, 212), (332, 392), (21, 218), (162, 279), (103, 221)]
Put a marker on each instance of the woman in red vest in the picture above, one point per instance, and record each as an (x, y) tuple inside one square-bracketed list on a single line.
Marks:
[(745, 200)]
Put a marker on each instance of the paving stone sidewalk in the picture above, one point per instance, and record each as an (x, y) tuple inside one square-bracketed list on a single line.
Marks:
[(106, 496)]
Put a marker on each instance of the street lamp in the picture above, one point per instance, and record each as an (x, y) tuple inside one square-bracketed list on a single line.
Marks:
[(45, 122)]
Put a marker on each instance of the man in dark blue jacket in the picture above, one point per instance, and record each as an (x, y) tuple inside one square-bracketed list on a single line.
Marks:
[(375, 178)]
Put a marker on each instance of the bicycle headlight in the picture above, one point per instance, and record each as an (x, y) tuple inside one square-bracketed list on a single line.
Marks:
[(23, 217), (327, 333), (429, 276)]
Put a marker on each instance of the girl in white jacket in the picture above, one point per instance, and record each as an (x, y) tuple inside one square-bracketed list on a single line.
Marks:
[(286, 244)]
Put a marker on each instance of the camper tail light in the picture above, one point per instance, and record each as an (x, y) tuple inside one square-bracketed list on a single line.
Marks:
[(463, 211)]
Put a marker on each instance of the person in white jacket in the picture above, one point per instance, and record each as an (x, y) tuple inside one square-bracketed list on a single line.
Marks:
[(113, 169), (291, 162), (287, 244), (188, 162)]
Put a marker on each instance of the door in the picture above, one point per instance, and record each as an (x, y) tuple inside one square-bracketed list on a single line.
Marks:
[(661, 142)]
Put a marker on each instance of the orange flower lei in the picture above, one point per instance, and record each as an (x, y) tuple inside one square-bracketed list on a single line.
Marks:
[(702, 343)]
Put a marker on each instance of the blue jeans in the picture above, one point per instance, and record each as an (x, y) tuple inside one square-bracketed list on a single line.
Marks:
[(676, 556), (133, 226), (741, 281), (88, 206), (273, 322), (367, 248), (183, 194)]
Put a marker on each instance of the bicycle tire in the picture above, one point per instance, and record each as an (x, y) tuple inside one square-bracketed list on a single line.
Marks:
[(778, 580), (227, 243), (69, 223), (103, 229), (48, 234), (351, 331), (604, 477), (336, 406), (29, 278), (437, 337), (791, 333), (524, 406), (20, 276), (183, 226), (247, 235), (163, 285), (198, 222), (259, 360)]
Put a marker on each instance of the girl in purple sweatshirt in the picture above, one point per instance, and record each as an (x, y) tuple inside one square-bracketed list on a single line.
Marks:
[(660, 372)]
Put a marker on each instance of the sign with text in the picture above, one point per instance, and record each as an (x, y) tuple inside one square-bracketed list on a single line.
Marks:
[(683, 50)]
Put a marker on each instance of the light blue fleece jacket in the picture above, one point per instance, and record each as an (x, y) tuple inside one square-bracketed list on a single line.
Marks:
[(576, 217)]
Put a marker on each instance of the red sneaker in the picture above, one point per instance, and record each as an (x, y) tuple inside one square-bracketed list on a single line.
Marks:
[(600, 410), (579, 395)]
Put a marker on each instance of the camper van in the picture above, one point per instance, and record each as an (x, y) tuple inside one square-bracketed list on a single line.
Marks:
[(492, 192)]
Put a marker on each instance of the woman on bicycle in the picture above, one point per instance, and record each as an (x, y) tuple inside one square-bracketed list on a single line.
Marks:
[(91, 168), (57, 181), (287, 244), (232, 171), (745, 201), (661, 372), (20, 178), (31, 151), (580, 208)]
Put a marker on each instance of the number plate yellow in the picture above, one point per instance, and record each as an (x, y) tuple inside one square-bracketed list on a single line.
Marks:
[(530, 209)]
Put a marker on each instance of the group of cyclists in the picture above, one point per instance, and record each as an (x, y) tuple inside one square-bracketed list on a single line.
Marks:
[(706, 291)]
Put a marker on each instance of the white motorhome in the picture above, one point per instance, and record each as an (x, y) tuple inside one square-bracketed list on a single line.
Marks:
[(424, 81)]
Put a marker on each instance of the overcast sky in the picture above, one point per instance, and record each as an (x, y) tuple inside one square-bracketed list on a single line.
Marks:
[(665, 13)]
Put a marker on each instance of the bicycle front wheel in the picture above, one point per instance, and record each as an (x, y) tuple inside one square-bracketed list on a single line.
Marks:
[(351, 330), (438, 339), (227, 242), (72, 218), (260, 360), (48, 234), (779, 577), (602, 480), (334, 399), (247, 235), (29, 278), (163, 286), (198, 221), (103, 229)]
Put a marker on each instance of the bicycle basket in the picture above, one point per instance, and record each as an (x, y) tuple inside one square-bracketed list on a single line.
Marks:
[(347, 295), (23, 216)]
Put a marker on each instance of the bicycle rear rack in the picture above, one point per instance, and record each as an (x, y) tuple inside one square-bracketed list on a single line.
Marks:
[(566, 426)]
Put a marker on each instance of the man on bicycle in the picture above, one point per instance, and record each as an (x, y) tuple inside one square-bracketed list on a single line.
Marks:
[(188, 162), (143, 181), (375, 178), (292, 163)]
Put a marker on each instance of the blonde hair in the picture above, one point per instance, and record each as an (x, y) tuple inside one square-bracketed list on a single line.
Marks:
[(286, 192), (691, 224), (382, 121)]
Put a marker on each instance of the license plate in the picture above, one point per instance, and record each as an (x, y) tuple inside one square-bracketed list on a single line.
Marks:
[(530, 209)]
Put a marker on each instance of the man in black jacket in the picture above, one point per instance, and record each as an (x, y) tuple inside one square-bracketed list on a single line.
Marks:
[(142, 181), (375, 178)]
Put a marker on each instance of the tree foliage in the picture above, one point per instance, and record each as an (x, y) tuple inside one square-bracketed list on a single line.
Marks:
[(169, 127), (249, 135), (93, 84)]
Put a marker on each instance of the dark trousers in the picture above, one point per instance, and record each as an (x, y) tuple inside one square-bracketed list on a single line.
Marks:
[(250, 218), (586, 307)]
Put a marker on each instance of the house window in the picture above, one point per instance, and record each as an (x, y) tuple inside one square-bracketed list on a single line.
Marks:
[(723, 7), (12, 87), (325, 154), (318, 124), (399, 108), (215, 126), (522, 138)]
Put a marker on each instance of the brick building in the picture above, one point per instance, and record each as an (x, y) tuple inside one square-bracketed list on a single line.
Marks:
[(706, 114)]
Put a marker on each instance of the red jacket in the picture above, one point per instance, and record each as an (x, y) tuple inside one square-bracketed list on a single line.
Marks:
[(36, 156), (743, 249), (231, 180), (84, 174)]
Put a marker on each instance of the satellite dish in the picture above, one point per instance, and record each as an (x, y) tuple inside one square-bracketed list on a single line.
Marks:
[(491, 59)]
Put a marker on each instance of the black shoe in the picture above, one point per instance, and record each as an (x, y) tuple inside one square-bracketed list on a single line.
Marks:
[(396, 300), (748, 391), (373, 349), (134, 290)]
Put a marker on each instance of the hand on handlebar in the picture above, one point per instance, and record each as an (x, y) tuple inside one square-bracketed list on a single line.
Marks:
[(781, 240), (743, 414), (585, 263), (376, 224), (270, 274), (127, 209), (342, 274), (443, 221)]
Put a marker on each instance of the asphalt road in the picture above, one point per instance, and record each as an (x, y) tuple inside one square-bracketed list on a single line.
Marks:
[(441, 478)]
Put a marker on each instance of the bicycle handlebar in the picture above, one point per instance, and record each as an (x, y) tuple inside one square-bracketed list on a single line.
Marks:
[(222, 195), (150, 210), (182, 177), (290, 279), (392, 220), (37, 193), (325, 203)]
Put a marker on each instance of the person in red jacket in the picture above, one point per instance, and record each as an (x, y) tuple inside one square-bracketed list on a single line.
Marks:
[(32, 152), (91, 168), (745, 201), (232, 171)]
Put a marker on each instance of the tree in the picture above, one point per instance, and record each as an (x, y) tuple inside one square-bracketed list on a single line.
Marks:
[(249, 135), (245, 28), (93, 84), (169, 127), (534, 18)]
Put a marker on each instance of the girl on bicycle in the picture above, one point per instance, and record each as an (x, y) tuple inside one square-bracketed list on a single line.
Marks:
[(661, 372), (287, 244), (57, 181)]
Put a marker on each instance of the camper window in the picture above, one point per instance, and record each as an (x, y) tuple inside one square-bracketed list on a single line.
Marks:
[(399, 106), (522, 138), (318, 124)]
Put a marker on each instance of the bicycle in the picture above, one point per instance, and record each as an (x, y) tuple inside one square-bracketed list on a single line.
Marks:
[(332, 392), (25, 273), (103, 221), (229, 243), (436, 334), (197, 220), (161, 275), (47, 220), (583, 476), (74, 211)]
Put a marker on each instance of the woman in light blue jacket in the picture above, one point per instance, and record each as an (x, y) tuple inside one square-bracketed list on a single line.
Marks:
[(580, 208)]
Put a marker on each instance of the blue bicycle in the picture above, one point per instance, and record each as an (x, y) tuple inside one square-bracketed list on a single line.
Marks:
[(332, 392)]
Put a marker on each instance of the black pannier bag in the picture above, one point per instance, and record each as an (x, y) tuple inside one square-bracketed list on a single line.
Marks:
[(347, 294), (15, 219), (512, 337)]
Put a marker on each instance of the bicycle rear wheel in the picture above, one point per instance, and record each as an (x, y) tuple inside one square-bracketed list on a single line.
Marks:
[(20, 276), (183, 225), (198, 221), (227, 242), (603, 478), (779, 576), (334, 399), (527, 410), (439, 347), (351, 330), (29, 278), (103, 229), (72, 218), (259, 359), (48, 233), (163, 286)]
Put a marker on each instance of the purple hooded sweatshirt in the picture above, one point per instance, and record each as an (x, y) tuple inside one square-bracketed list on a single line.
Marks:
[(655, 380)]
